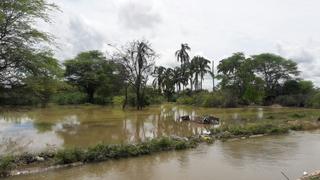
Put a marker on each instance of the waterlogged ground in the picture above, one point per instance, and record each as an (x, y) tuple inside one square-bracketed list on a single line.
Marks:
[(36, 130), (260, 158)]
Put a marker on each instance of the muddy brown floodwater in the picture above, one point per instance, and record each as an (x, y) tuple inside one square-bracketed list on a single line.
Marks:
[(261, 158), (36, 130)]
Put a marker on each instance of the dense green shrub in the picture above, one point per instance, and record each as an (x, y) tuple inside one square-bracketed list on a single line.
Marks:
[(102, 100), (286, 100), (206, 99), (186, 100), (69, 156), (6, 164), (291, 100), (150, 98), (97, 153), (118, 100), (181, 145), (314, 100), (18, 96), (155, 99), (66, 98), (161, 144), (213, 100), (252, 129)]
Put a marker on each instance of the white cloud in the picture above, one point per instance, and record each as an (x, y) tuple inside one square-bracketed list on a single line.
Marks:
[(213, 27), (307, 55), (136, 16)]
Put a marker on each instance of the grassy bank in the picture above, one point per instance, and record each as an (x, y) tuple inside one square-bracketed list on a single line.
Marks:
[(97, 153), (266, 127)]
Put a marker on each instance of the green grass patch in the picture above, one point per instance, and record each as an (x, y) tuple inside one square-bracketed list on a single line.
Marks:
[(314, 178), (249, 129), (6, 164), (298, 115)]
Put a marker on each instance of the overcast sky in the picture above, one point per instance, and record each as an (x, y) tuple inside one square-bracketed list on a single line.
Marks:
[(212, 28)]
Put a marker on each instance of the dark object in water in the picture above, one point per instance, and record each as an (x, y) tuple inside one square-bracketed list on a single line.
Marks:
[(201, 120), (207, 120), (185, 118), (210, 120)]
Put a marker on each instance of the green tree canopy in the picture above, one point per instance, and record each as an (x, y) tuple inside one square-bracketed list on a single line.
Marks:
[(45, 79), (274, 70), (237, 76), (91, 71), (20, 40)]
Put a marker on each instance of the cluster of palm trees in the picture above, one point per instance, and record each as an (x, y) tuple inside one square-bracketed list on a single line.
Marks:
[(189, 73)]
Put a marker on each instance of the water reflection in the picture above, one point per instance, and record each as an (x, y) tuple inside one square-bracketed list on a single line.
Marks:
[(260, 113), (26, 137), (39, 129), (67, 126)]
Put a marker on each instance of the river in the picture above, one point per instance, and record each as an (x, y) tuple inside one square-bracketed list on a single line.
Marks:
[(72, 126), (260, 158)]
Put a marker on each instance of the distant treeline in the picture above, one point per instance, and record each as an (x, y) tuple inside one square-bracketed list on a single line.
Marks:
[(30, 75)]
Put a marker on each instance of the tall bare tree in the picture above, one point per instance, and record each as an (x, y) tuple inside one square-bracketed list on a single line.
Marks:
[(137, 59)]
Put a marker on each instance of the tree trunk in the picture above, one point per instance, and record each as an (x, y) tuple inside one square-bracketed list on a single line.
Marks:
[(90, 96), (126, 98), (201, 82), (159, 88), (44, 102), (197, 83), (138, 98)]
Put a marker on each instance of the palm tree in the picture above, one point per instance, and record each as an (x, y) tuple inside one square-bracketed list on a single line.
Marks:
[(204, 69), (200, 68), (188, 71), (159, 75), (177, 77), (169, 83), (194, 63), (180, 78), (182, 54), (168, 80)]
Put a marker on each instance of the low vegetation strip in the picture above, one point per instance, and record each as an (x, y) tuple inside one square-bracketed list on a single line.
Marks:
[(97, 153), (264, 127)]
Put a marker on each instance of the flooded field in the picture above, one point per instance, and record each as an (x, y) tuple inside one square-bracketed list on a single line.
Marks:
[(82, 126), (260, 158)]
